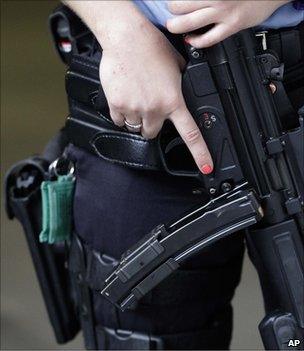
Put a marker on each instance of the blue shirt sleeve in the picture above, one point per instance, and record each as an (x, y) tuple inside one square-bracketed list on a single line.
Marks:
[(285, 16), (156, 11)]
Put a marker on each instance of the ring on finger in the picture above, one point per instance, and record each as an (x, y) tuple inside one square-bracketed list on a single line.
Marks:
[(133, 127)]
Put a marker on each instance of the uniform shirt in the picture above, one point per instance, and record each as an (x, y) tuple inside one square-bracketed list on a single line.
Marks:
[(285, 16)]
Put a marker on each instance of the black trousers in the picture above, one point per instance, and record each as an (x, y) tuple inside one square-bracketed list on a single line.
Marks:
[(114, 207)]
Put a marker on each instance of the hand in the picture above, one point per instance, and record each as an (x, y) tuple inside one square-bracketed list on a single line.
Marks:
[(141, 77), (227, 16), (141, 73)]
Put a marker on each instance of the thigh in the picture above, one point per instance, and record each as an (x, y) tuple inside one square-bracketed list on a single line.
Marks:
[(114, 207)]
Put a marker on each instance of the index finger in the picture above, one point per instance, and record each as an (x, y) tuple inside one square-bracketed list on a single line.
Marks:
[(190, 133)]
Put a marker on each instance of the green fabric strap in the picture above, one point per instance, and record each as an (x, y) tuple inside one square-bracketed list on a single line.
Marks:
[(57, 199)]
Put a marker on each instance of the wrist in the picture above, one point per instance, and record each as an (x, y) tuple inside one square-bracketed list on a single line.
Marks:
[(113, 22), (127, 34), (124, 31)]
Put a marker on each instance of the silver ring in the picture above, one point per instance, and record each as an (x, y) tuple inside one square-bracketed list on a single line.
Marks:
[(53, 167), (134, 127)]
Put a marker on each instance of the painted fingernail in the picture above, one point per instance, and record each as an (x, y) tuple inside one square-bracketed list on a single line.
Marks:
[(206, 169)]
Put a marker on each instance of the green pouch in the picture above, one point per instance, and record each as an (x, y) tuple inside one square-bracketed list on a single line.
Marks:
[(57, 200)]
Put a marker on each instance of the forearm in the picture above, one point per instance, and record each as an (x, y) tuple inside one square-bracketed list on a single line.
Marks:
[(110, 20)]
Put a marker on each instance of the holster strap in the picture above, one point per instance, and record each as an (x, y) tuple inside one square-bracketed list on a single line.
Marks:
[(103, 140), (127, 149)]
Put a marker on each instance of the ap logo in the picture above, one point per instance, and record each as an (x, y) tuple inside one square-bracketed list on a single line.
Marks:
[(293, 342)]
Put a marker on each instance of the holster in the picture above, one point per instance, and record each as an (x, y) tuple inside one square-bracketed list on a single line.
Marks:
[(23, 201)]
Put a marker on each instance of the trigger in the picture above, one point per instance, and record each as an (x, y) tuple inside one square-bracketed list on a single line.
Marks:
[(173, 143)]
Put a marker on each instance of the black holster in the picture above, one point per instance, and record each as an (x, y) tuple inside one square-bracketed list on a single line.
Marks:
[(23, 201)]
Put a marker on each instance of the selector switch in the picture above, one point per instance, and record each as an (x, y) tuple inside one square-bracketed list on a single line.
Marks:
[(207, 120)]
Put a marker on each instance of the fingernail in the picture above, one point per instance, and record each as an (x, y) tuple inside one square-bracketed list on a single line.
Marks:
[(187, 39), (206, 169)]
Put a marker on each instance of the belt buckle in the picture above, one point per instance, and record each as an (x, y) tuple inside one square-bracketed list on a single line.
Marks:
[(262, 34)]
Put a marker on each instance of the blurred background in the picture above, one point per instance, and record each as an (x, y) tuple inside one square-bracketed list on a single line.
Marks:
[(33, 108)]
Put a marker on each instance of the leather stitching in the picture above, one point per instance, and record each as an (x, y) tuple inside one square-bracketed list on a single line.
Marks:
[(105, 118), (92, 102), (125, 163), (99, 113), (70, 76), (85, 64), (132, 139)]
